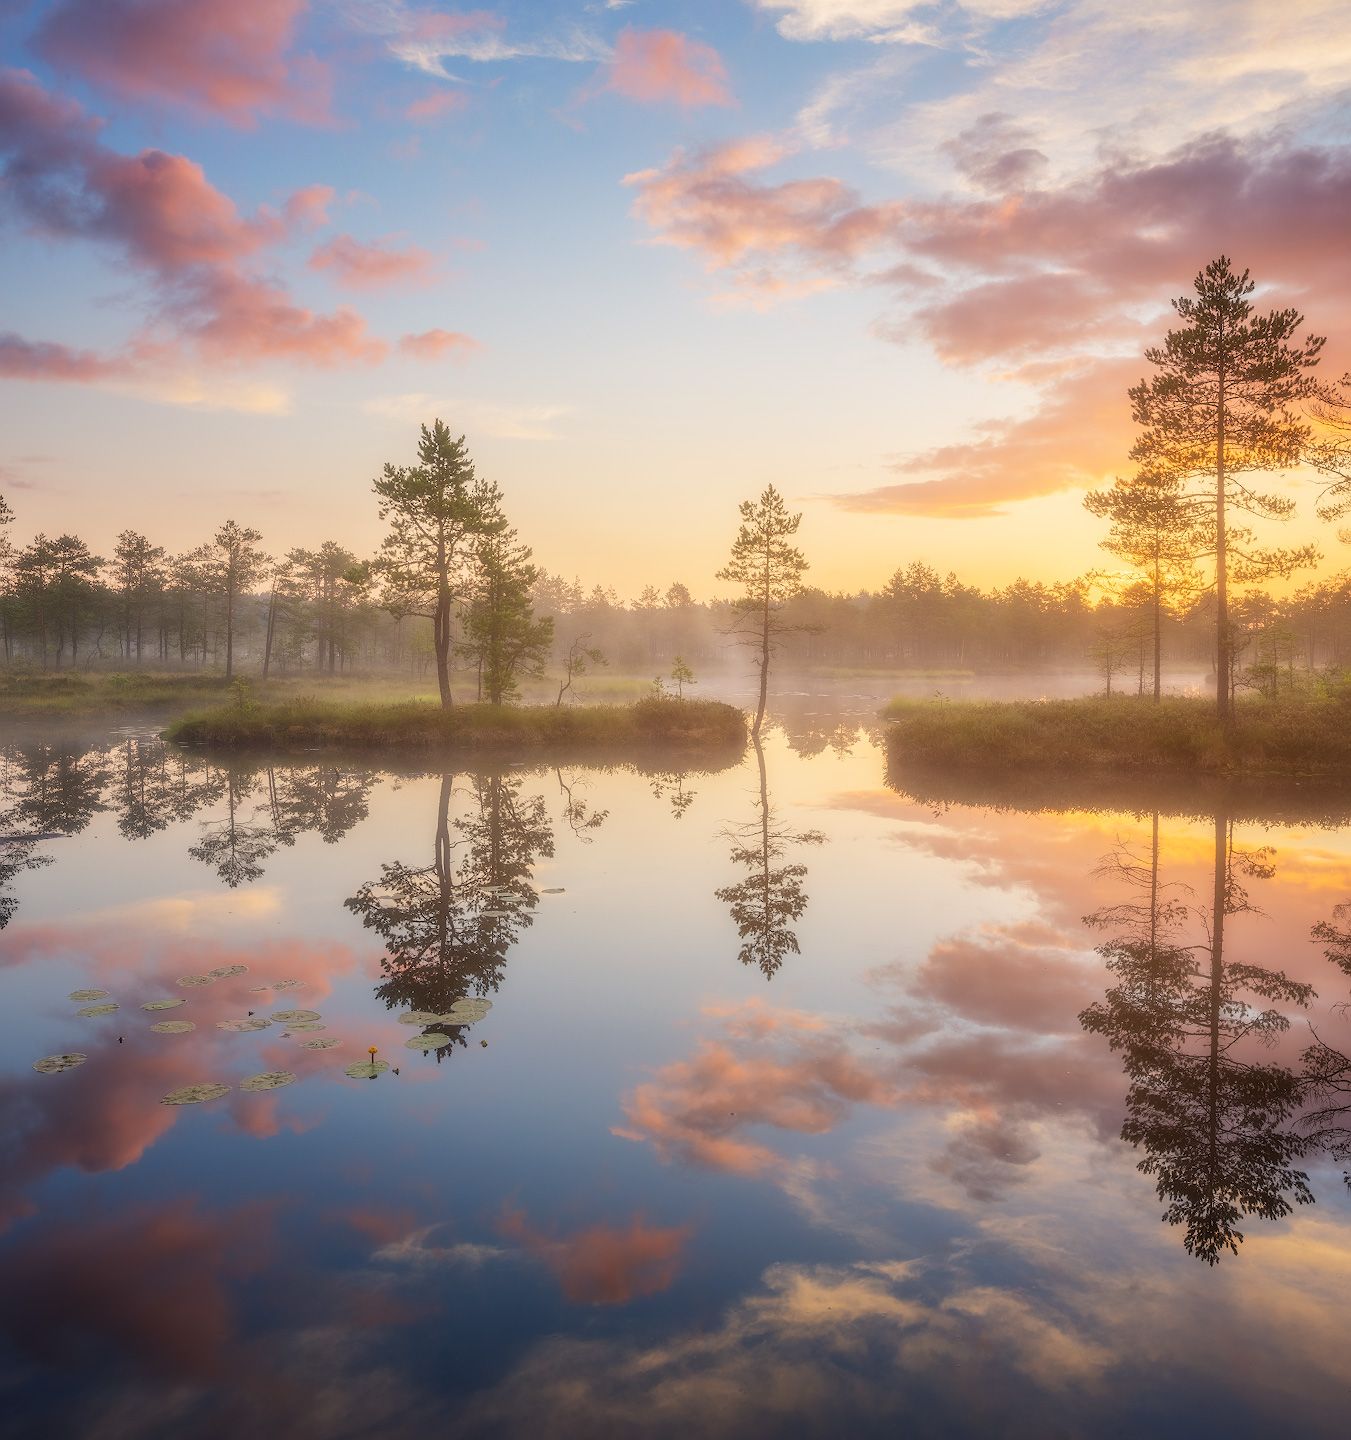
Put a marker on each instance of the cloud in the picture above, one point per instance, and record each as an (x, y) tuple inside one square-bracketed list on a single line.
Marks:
[(228, 59), (154, 1286), (771, 1068), (604, 1264), (22, 359), (710, 201), (665, 67), (424, 40), (167, 221), (361, 266), (434, 344), (433, 106)]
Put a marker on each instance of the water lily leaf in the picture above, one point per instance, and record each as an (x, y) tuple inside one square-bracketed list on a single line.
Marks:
[(194, 979), (417, 1017), (195, 1094), (240, 1027), (366, 1069), (323, 1043), (259, 989), (88, 995), (223, 972), (495, 914), (98, 1009), (288, 1017), (428, 1042), (268, 1080), (173, 1027), (289, 985), (466, 1011), (554, 890), (54, 1064), (162, 1004), (307, 1025)]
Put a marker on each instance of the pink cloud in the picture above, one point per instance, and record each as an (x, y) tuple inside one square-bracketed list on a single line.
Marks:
[(433, 344), (228, 59), (604, 1264), (433, 106), (666, 67), (167, 219), (361, 266), (1056, 283), (41, 360), (711, 202)]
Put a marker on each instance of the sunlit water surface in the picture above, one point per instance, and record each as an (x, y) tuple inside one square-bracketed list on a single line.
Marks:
[(780, 1122)]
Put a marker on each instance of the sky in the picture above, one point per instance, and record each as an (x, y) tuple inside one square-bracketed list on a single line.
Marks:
[(899, 259)]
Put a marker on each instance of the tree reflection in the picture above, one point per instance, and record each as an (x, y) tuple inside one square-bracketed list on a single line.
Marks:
[(1327, 1071), (288, 802), (448, 926), (1211, 1120), (767, 903)]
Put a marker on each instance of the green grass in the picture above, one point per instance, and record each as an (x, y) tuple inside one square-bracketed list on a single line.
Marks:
[(1299, 736), (307, 723)]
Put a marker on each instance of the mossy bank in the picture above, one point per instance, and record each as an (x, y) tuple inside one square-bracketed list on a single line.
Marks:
[(307, 724), (1124, 734)]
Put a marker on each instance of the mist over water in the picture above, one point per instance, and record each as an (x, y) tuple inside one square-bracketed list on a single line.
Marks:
[(789, 1126)]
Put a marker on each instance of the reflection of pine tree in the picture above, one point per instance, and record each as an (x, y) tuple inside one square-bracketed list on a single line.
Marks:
[(448, 927), (292, 801), (772, 897), (1327, 1071), (1212, 1122), (155, 785)]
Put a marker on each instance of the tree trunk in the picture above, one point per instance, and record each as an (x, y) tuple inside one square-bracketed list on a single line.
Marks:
[(271, 629), (1224, 709), (229, 634), (1158, 628)]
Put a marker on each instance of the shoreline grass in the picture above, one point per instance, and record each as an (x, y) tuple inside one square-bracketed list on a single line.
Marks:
[(308, 723), (1304, 736)]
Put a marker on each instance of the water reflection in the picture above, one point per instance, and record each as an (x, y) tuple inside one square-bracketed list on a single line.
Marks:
[(772, 897), (448, 926), (1213, 1120)]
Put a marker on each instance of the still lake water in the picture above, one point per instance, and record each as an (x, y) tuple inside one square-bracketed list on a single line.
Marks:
[(812, 1145)]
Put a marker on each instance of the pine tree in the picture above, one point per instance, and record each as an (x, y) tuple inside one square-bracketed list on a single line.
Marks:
[(1219, 407), (1156, 530), (770, 571), (437, 513), (503, 636), (237, 563)]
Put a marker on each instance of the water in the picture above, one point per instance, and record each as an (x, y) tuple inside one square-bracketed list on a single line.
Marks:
[(782, 1120)]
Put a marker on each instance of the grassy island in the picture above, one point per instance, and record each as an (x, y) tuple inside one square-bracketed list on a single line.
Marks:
[(306, 724), (1309, 736)]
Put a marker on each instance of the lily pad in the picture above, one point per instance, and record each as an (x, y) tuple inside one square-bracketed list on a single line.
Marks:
[(304, 1025), (466, 1011), (428, 1042), (554, 890), (195, 1094), (240, 1027), (223, 972), (418, 1017), (289, 985), (268, 1080), (495, 914), (366, 1069), (194, 980), (98, 1009), (259, 989), (173, 1027), (322, 1043), (289, 1017), (54, 1064), (88, 995), (162, 1004)]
